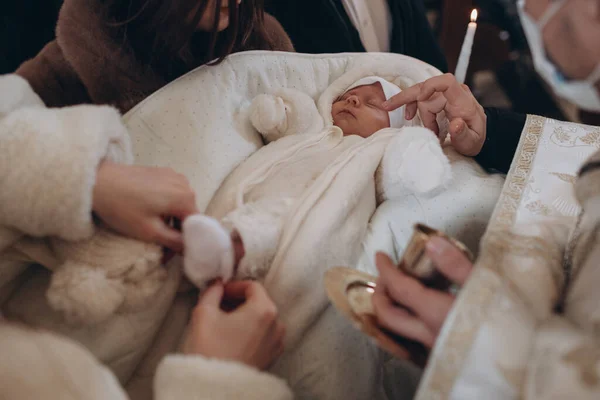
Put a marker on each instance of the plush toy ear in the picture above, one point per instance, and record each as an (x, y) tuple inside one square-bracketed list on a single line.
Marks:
[(84, 294), (268, 116)]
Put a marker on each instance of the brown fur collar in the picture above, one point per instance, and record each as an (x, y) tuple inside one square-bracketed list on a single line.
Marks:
[(107, 69)]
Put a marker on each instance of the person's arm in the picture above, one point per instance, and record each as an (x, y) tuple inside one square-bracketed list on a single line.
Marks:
[(182, 377), (53, 78), (57, 166), (504, 130), (49, 159), (53, 367), (33, 353), (490, 135), (225, 352)]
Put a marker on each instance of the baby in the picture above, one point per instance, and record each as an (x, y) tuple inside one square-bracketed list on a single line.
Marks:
[(359, 111), (248, 235)]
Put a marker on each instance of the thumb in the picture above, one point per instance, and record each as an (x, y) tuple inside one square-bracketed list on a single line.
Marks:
[(462, 137), (212, 296), (458, 128), (167, 236)]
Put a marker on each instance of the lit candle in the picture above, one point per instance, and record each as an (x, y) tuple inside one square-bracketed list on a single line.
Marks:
[(465, 52)]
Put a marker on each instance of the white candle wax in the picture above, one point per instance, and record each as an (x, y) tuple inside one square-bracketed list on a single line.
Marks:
[(465, 53)]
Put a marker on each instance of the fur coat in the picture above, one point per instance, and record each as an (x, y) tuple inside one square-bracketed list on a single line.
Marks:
[(47, 171), (85, 64)]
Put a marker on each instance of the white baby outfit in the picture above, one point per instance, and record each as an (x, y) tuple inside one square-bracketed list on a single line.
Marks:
[(263, 200)]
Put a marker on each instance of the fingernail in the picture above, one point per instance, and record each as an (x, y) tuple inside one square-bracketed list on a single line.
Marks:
[(407, 116), (437, 246)]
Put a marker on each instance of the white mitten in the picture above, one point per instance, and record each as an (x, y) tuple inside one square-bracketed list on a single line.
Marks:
[(208, 250), (413, 163), (283, 113)]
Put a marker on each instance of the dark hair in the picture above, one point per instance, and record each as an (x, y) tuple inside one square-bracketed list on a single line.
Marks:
[(162, 33)]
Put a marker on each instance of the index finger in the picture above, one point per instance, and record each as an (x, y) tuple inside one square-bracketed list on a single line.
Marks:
[(429, 304), (403, 98), (446, 84), (449, 260), (403, 289)]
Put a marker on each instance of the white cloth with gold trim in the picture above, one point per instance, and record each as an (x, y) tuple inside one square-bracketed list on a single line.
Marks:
[(504, 338)]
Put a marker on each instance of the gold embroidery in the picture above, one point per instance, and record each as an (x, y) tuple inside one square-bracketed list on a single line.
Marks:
[(562, 135), (565, 177), (449, 354), (566, 135), (592, 138), (537, 207), (505, 211)]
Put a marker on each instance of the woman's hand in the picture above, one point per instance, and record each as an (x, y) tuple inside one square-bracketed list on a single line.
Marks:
[(444, 93), (250, 334), (139, 201), (406, 307)]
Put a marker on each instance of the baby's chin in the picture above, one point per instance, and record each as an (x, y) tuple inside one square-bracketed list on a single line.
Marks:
[(343, 125)]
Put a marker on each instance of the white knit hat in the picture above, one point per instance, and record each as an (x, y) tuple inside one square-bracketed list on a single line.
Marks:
[(390, 90)]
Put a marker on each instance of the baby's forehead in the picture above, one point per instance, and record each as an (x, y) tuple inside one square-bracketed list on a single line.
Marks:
[(373, 88)]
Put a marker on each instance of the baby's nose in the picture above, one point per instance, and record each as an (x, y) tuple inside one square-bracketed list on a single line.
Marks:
[(354, 100)]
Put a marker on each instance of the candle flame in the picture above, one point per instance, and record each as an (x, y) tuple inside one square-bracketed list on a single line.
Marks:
[(474, 15)]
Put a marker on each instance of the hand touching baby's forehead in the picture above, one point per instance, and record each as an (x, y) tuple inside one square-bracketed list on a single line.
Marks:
[(371, 93)]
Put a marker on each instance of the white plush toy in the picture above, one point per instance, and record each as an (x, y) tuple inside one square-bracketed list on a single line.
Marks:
[(413, 164), (103, 275), (96, 273), (283, 113)]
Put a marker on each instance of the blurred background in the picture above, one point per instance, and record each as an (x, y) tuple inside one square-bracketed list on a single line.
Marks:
[(501, 72)]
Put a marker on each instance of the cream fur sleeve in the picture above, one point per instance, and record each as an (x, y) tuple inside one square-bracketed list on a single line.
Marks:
[(194, 377), (48, 161), (41, 365)]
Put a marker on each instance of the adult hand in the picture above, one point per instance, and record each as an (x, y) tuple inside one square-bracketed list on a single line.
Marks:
[(444, 93), (138, 202), (405, 306), (250, 334)]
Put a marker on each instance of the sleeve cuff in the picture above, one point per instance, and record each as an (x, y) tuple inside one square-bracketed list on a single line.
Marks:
[(49, 163), (187, 377)]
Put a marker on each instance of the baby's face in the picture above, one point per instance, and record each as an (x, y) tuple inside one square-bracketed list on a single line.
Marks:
[(359, 111)]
